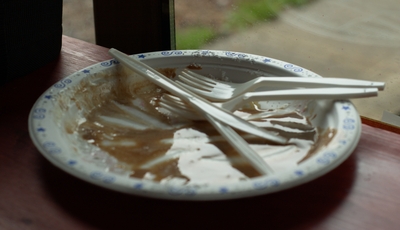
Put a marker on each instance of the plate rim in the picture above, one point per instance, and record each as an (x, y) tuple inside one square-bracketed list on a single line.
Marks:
[(265, 185)]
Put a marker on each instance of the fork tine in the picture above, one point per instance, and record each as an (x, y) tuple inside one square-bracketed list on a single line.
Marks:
[(185, 114), (198, 76), (189, 79), (204, 81), (172, 108), (175, 105), (200, 92), (175, 101)]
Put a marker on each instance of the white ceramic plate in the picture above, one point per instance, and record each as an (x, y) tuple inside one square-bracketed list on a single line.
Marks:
[(69, 152)]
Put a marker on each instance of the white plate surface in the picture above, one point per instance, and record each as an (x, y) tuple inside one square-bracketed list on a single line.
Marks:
[(71, 153)]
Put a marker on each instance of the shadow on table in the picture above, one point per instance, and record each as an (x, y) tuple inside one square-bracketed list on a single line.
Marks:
[(300, 207)]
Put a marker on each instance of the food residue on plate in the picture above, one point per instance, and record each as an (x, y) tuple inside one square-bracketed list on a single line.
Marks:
[(120, 116)]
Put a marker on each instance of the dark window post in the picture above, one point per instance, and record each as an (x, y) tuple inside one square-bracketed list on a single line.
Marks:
[(135, 26)]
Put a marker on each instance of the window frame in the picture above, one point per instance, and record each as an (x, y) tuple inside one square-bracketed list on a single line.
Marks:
[(151, 22)]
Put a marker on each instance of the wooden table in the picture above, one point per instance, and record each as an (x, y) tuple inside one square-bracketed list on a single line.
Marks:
[(362, 193)]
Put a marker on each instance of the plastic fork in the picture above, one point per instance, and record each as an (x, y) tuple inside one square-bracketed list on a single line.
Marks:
[(201, 105), (290, 94), (173, 104), (215, 90), (296, 94)]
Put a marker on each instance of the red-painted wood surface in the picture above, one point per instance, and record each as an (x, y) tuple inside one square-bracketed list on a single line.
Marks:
[(362, 193)]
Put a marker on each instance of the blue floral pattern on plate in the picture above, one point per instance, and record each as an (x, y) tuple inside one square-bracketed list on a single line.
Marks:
[(99, 168)]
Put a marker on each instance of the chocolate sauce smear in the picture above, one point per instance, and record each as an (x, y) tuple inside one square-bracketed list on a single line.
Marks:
[(123, 119)]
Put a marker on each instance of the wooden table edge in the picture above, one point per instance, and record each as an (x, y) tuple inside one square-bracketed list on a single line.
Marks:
[(380, 124)]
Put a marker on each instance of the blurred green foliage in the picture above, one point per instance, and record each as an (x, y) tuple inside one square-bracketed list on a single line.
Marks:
[(244, 13), (194, 37)]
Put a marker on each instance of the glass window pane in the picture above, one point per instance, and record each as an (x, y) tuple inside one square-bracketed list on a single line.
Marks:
[(78, 19), (342, 38)]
